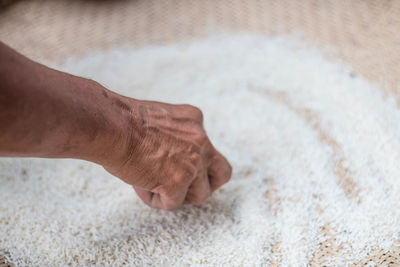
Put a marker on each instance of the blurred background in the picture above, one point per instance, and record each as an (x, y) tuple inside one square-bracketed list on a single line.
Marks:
[(362, 33)]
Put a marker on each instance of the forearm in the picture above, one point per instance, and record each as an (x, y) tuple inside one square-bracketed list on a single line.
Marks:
[(47, 113), (160, 149)]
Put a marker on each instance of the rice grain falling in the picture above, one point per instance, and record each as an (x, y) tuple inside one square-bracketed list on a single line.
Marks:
[(312, 146)]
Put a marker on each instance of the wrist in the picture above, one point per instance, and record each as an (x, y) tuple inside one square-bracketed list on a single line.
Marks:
[(118, 128)]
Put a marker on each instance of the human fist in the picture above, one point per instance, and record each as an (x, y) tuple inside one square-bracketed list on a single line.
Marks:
[(168, 157)]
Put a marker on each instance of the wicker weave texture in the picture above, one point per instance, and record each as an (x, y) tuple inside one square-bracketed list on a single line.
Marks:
[(362, 33)]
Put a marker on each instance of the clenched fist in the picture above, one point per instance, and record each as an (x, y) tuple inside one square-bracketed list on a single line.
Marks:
[(168, 158)]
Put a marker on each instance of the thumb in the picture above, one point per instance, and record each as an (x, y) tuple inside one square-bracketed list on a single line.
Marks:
[(144, 195)]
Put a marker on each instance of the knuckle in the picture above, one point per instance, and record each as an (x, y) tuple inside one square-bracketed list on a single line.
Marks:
[(183, 178), (201, 137), (195, 157), (195, 112), (199, 115), (180, 180)]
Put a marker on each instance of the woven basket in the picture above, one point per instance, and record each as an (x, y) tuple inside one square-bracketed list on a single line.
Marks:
[(363, 34)]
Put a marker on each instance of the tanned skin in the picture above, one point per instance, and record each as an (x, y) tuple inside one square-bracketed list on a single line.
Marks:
[(160, 149)]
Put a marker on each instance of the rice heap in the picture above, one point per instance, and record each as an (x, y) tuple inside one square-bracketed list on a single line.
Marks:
[(313, 146)]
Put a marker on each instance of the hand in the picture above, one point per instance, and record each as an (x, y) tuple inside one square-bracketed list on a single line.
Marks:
[(168, 158), (160, 149)]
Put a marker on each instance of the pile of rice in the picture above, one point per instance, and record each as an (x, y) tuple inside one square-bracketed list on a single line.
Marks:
[(312, 145)]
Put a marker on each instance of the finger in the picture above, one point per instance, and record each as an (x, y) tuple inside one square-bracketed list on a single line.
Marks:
[(167, 202), (172, 196), (199, 190), (160, 200), (219, 171), (144, 195)]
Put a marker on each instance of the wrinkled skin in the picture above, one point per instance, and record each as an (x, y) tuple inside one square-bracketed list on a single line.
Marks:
[(170, 160)]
